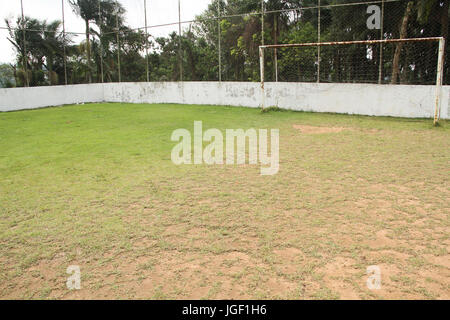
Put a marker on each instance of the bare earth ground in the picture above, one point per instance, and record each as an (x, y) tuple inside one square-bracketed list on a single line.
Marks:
[(351, 192)]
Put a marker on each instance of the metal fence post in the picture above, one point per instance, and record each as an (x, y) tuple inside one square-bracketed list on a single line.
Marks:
[(276, 64), (146, 40), (380, 67), (64, 42), (318, 40), (262, 22), (180, 53), (100, 39), (25, 62), (220, 42), (261, 68), (118, 41)]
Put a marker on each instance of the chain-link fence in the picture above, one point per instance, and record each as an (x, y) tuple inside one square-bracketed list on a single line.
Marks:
[(54, 42), (401, 63)]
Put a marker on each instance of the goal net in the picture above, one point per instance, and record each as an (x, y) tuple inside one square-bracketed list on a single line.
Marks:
[(417, 61)]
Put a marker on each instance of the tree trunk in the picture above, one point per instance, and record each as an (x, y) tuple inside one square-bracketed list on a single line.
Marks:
[(50, 70), (88, 52), (398, 49), (16, 79), (406, 62), (338, 67)]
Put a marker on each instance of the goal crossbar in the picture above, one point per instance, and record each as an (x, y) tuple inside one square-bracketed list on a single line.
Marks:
[(320, 44), (440, 62)]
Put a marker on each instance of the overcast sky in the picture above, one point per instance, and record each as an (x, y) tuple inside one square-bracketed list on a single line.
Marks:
[(158, 12)]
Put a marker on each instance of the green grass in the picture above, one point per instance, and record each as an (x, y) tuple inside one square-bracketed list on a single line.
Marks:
[(94, 185)]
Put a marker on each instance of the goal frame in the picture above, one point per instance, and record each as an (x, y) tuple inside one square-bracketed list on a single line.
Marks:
[(439, 73)]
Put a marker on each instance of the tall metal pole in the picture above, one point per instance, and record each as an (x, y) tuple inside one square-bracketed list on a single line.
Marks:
[(380, 67), (261, 70), (180, 53), (318, 48), (276, 64), (146, 40), (100, 40), (262, 22), (27, 84), (220, 42), (275, 51), (64, 43), (118, 41)]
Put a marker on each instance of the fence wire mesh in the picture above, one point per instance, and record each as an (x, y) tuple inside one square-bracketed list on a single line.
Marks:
[(92, 41), (402, 63)]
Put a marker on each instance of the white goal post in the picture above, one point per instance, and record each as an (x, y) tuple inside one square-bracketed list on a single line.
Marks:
[(367, 43)]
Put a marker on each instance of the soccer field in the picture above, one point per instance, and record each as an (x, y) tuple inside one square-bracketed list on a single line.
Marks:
[(94, 186)]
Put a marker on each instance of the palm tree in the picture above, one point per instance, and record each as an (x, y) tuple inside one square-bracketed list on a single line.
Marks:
[(52, 46), (112, 14), (88, 11), (29, 62)]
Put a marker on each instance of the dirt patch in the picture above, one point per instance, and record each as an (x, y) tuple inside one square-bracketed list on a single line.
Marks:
[(381, 240), (336, 274), (318, 130)]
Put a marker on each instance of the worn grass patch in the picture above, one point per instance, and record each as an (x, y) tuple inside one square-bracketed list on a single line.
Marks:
[(94, 186)]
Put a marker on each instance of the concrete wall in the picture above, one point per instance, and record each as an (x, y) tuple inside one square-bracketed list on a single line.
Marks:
[(38, 97), (364, 99), (245, 94), (373, 100)]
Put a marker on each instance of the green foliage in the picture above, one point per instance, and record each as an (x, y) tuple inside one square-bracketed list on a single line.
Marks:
[(43, 62), (303, 59), (240, 36), (271, 109), (7, 79)]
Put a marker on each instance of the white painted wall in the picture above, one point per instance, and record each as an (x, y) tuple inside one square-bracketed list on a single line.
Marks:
[(364, 99), (245, 94), (38, 97)]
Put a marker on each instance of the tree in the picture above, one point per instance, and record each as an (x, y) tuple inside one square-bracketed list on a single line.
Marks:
[(286, 21), (132, 43), (52, 48), (88, 11), (44, 51), (277, 21), (7, 76), (398, 49), (436, 12)]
